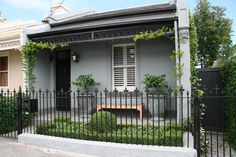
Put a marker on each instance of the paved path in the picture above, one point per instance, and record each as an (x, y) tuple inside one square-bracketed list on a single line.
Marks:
[(10, 148), (218, 148)]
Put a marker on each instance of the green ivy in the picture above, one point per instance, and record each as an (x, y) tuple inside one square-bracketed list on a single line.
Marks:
[(29, 57), (148, 35), (178, 65), (193, 50)]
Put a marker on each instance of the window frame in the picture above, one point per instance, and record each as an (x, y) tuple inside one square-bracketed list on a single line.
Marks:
[(130, 88), (6, 54)]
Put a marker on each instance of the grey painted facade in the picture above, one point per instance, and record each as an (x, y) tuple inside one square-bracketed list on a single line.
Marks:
[(45, 72), (152, 57), (95, 59)]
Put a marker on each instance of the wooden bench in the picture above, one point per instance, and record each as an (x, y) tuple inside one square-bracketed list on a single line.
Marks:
[(139, 107)]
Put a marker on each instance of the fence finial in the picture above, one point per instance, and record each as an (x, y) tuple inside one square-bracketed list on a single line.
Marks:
[(20, 90)]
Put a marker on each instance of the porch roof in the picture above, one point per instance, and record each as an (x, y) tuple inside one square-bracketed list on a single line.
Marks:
[(109, 25), (163, 10)]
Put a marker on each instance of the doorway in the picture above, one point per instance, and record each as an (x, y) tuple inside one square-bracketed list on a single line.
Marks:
[(63, 77)]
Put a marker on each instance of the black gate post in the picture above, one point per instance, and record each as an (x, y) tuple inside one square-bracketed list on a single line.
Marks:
[(19, 112), (197, 123)]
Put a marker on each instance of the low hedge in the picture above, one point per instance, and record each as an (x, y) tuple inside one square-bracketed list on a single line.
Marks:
[(8, 115), (229, 81), (102, 121), (129, 134)]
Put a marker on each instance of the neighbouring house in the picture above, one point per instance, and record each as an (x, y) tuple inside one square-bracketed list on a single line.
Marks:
[(103, 43), (12, 37)]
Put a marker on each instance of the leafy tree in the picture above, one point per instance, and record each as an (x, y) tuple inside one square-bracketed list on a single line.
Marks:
[(231, 52), (214, 32)]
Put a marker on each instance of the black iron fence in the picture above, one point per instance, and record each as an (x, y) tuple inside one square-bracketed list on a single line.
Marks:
[(217, 134), (147, 117)]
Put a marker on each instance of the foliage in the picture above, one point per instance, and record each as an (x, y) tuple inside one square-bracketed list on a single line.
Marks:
[(229, 80), (214, 32), (153, 81), (148, 35), (193, 51), (178, 73), (130, 134), (29, 57), (103, 122), (224, 59), (85, 81), (179, 65), (8, 115)]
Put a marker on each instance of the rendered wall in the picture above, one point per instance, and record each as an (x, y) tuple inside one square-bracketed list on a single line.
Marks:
[(152, 57), (15, 70)]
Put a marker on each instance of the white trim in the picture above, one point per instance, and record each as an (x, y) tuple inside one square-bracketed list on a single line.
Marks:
[(6, 54), (123, 66)]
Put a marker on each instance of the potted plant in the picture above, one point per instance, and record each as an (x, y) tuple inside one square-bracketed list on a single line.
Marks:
[(86, 83), (156, 85)]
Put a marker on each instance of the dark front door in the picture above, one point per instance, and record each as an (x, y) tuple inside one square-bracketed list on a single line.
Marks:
[(63, 80), (212, 86)]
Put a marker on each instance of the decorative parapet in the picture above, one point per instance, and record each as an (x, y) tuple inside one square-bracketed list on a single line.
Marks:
[(9, 44)]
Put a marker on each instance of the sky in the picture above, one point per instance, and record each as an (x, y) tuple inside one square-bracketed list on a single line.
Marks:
[(37, 9)]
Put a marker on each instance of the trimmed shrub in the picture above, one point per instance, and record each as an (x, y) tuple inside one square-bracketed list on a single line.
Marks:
[(8, 115), (229, 80), (62, 120), (130, 134), (103, 122)]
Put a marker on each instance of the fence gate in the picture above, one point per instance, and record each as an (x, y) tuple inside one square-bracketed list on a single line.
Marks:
[(218, 139), (210, 82)]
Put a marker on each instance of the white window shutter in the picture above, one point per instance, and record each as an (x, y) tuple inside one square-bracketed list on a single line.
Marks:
[(130, 55), (119, 77), (118, 56), (130, 76), (118, 70), (124, 71)]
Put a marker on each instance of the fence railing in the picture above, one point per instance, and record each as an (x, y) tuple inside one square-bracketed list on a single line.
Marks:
[(147, 117), (137, 117)]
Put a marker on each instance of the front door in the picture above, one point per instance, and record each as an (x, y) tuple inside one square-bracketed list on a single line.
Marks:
[(63, 80)]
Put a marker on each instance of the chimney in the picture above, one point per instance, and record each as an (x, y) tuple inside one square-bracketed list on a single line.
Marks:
[(172, 2), (2, 19), (59, 9)]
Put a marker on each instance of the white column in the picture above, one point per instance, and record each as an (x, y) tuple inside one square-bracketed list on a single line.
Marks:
[(184, 45)]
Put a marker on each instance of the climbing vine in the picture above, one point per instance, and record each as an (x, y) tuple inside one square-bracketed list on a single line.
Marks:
[(178, 73), (148, 35), (193, 50), (29, 58)]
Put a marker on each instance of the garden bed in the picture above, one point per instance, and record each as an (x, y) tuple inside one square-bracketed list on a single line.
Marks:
[(129, 134)]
